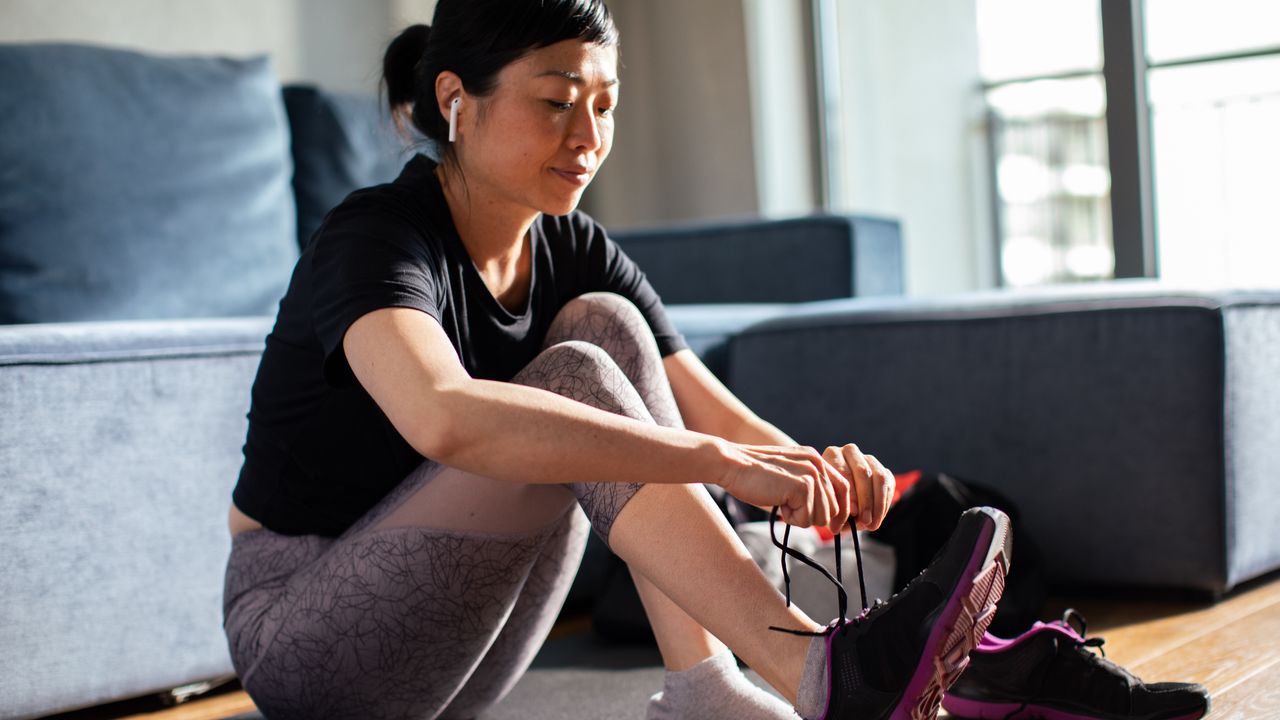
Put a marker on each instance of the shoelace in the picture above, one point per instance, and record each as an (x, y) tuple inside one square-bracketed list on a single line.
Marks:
[(1086, 642), (838, 580), (1084, 625)]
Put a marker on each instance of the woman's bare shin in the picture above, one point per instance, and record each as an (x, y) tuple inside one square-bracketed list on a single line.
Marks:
[(682, 641), (675, 536)]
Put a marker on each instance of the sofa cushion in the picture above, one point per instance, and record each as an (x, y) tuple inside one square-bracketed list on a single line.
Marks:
[(341, 142), (135, 186), (818, 257)]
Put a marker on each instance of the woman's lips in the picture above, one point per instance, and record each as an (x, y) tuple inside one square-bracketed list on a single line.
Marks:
[(576, 176)]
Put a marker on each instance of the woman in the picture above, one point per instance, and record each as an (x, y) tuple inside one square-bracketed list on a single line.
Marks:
[(460, 362)]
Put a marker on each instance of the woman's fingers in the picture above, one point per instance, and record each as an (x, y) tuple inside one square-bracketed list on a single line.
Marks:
[(842, 486), (810, 488), (862, 481), (884, 487), (823, 497), (799, 511)]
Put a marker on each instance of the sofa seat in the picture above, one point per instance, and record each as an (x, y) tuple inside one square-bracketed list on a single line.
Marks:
[(118, 450)]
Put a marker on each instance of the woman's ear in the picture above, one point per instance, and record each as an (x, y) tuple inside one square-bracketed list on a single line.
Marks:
[(448, 88)]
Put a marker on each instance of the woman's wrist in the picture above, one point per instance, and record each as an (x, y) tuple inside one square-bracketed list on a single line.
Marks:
[(755, 431), (725, 459)]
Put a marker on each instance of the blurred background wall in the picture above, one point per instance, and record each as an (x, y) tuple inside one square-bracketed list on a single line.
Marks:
[(685, 147), (981, 125)]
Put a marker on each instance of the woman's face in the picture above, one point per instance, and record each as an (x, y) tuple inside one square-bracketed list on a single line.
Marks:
[(543, 134)]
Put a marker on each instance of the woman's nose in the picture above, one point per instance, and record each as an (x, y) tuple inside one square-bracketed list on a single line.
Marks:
[(585, 132)]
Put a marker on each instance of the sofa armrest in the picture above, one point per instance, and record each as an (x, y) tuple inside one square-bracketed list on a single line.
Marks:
[(120, 444), (777, 261), (709, 328)]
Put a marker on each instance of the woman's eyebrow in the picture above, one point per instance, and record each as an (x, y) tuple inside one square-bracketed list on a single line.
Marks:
[(573, 77)]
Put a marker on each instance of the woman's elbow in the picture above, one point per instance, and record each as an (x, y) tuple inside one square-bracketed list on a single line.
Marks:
[(433, 434)]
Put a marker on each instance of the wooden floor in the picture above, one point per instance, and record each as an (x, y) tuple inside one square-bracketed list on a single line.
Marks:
[(1231, 647)]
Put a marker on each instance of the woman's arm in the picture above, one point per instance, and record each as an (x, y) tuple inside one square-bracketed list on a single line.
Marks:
[(708, 406), (407, 363), (513, 432)]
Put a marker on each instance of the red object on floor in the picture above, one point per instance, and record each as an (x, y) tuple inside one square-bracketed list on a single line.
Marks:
[(904, 482)]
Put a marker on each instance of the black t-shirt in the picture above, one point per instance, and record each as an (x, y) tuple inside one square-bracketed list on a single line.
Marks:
[(319, 453)]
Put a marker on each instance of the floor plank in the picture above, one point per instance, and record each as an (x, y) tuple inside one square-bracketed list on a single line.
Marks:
[(213, 708), (1137, 632), (1257, 698), (1222, 657)]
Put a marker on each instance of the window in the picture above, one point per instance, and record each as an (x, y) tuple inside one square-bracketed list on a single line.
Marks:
[(1024, 142), (1046, 100), (1215, 109)]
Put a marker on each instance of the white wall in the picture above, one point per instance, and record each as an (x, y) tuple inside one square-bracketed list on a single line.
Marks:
[(715, 119), (780, 61), (335, 43), (683, 147), (913, 134)]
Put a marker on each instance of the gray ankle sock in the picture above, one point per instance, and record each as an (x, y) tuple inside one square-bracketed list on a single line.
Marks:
[(715, 689), (811, 699)]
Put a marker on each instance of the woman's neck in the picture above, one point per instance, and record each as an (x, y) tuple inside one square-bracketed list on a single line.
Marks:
[(493, 234), (492, 231)]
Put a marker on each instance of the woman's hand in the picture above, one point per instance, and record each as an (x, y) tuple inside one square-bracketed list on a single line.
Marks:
[(873, 484), (806, 487)]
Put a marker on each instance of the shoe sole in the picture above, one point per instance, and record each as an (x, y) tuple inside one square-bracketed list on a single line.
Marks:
[(964, 618), (976, 710)]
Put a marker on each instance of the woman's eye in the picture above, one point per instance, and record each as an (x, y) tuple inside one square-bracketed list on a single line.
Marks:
[(560, 105), (606, 111)]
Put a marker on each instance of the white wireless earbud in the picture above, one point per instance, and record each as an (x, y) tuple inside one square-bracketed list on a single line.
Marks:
[(453, 119)]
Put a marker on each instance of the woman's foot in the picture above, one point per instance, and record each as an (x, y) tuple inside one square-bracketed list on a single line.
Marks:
[(715, 689), (896, 659)]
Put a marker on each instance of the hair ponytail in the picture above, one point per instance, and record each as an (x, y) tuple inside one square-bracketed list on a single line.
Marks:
[(400, 72)]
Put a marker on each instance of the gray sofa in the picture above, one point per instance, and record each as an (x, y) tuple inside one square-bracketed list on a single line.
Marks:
[(148, 222)]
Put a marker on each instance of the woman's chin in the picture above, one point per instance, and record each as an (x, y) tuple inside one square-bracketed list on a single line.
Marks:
[(562, 205)]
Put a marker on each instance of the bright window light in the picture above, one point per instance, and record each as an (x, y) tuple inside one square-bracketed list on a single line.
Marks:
[(1023, 179), (1179, 29), (1083, 180), (1024, 38), (1027, 260), (1216, 154)]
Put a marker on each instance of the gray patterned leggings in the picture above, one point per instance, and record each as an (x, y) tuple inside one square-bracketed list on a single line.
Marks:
[(434, 603)]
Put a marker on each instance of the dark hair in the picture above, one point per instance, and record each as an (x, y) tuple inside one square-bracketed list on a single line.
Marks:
[(476, 39)]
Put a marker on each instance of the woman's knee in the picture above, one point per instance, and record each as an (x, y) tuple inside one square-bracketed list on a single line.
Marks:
[(600, 304), (586, 372), (606, 319)]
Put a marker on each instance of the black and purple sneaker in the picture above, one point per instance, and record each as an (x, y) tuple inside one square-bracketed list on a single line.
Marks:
[(1049, 672), (895, 660)]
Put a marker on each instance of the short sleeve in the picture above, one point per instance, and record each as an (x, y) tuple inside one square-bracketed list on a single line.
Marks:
[(609, 269), (364, 260)]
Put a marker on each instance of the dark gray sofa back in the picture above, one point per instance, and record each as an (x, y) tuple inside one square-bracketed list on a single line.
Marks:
[(781, 261), (341, 142)]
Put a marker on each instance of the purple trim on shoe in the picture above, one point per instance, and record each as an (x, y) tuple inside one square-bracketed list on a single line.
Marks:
[(943, 626), (991, 643), (978, 710)]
